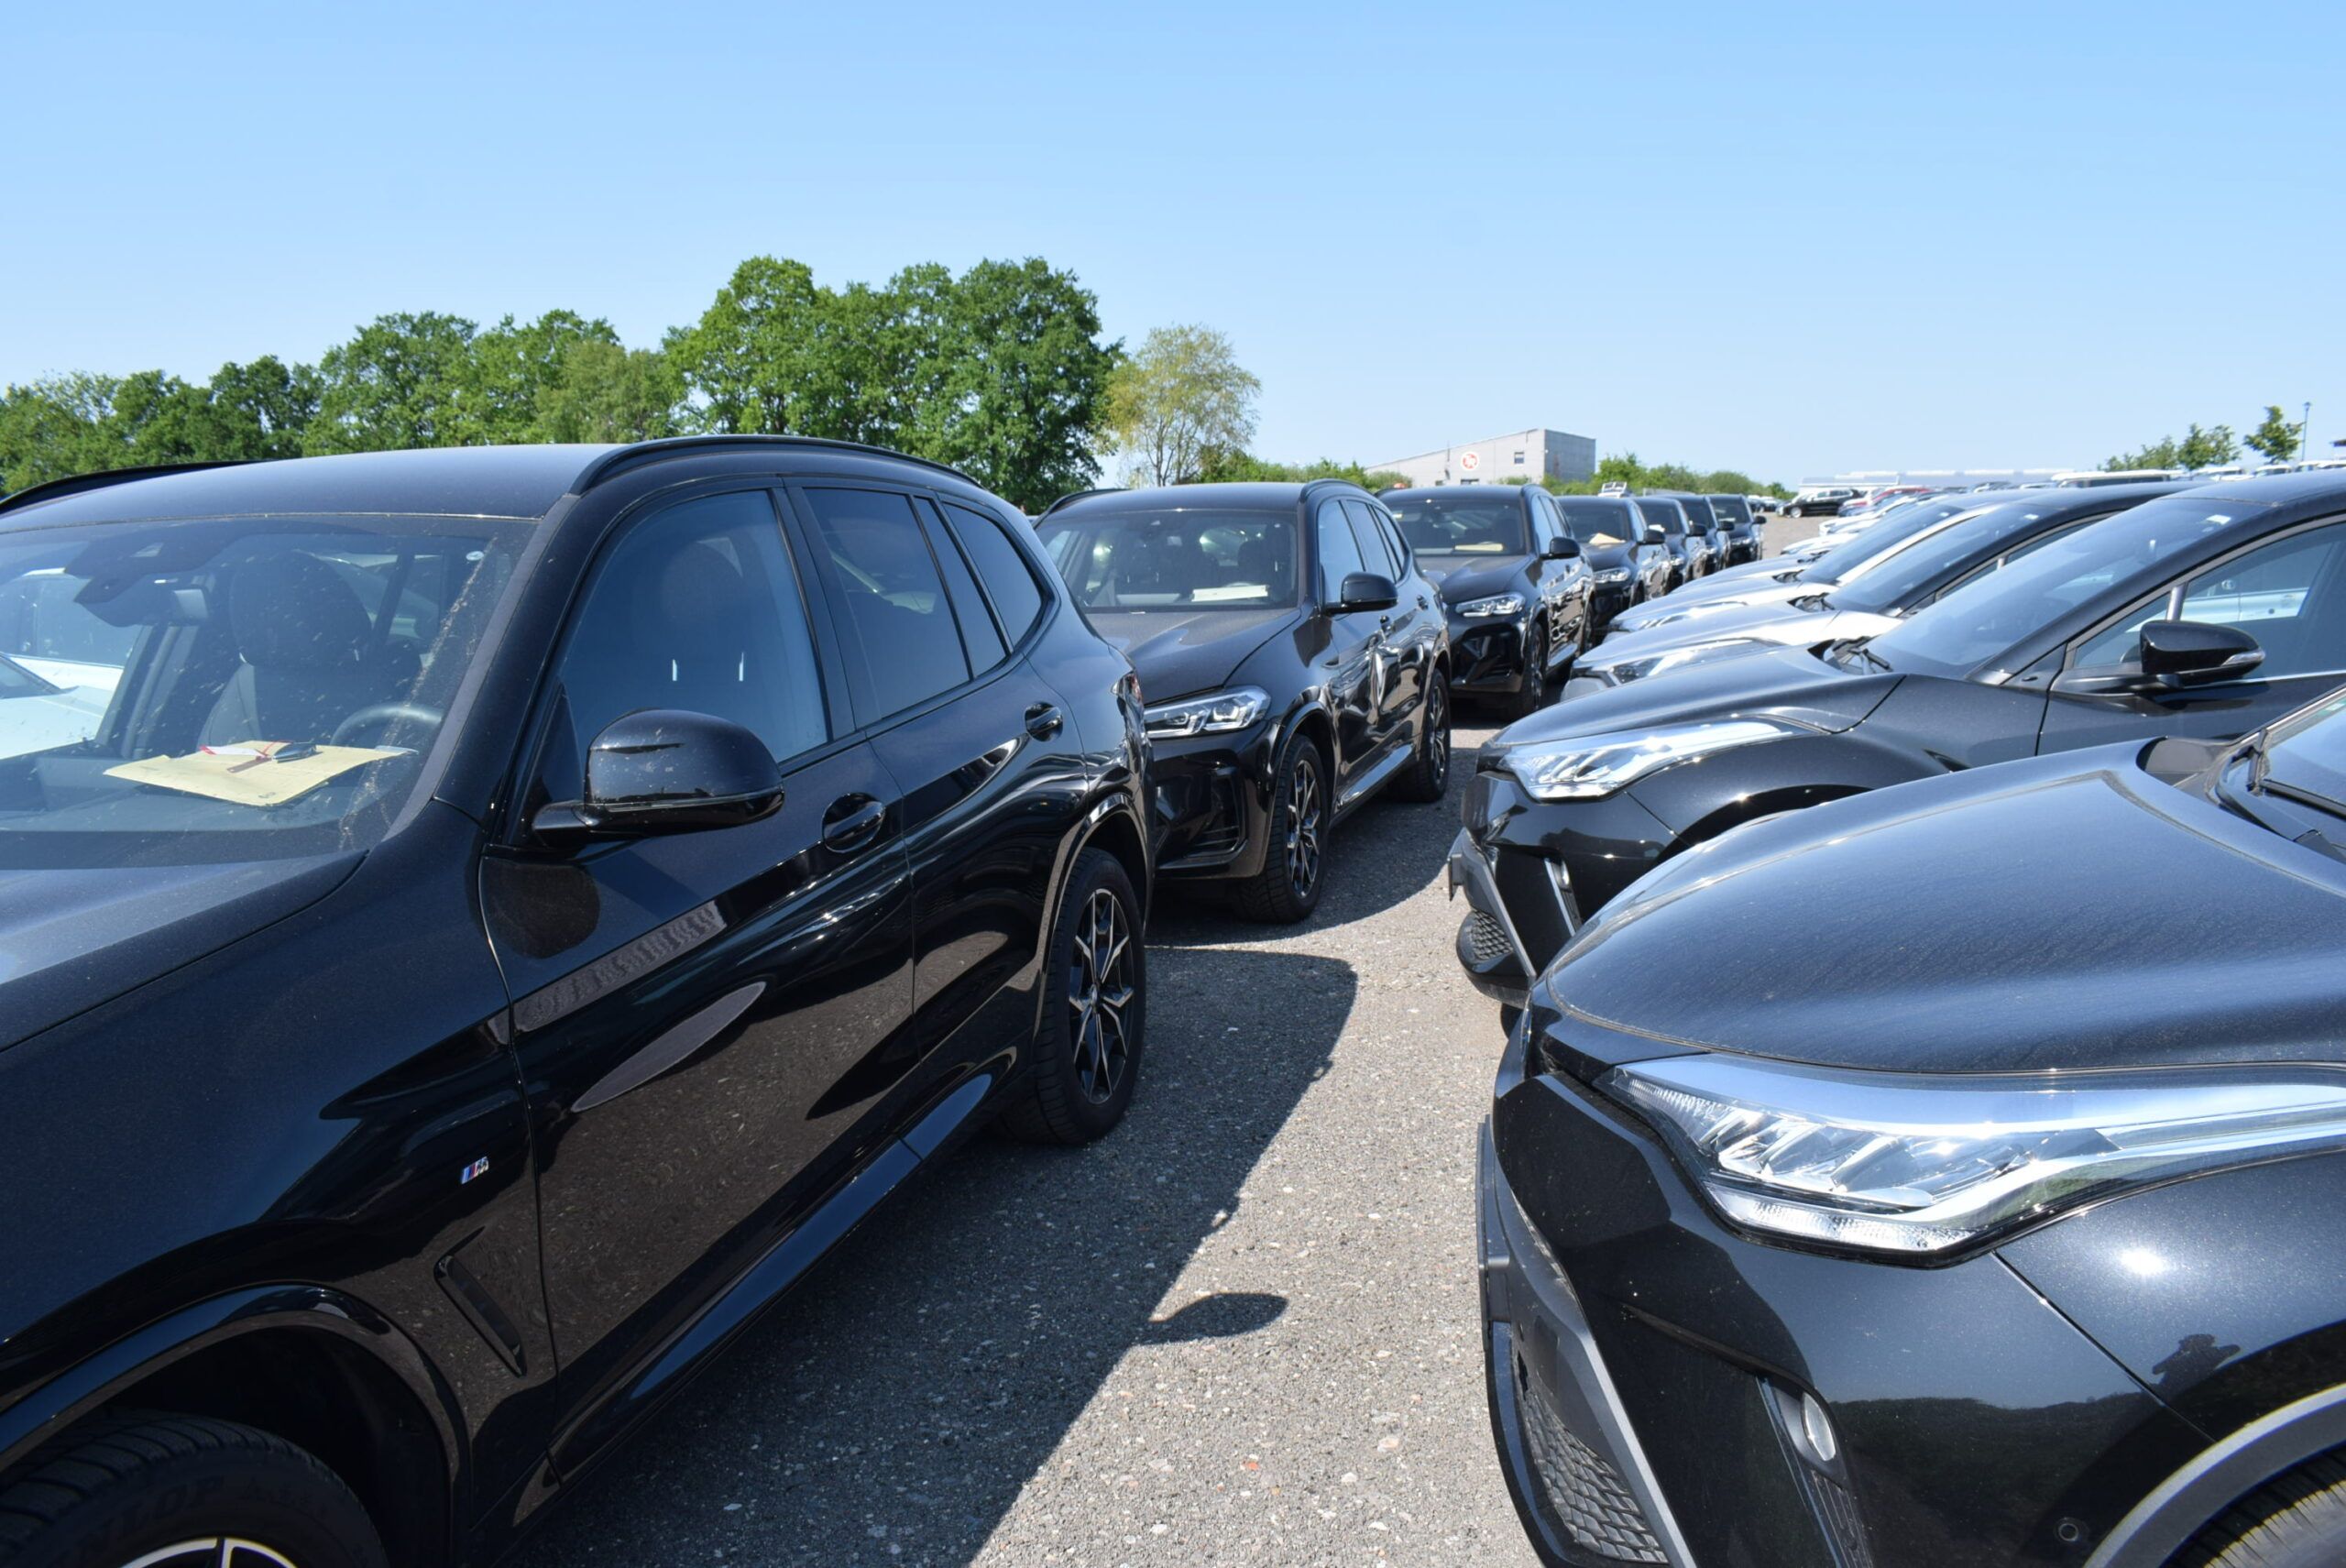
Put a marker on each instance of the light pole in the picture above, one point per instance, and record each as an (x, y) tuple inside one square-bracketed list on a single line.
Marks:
[(2305, 432)]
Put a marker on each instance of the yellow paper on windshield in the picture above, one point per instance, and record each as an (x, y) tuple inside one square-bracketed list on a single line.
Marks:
[(1604, 539), (249, 772)]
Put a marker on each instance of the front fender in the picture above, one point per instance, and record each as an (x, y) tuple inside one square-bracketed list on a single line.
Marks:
[(1706, 796)]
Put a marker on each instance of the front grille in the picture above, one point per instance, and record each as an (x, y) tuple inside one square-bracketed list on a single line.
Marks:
[(1838, 1510), (1485, 939), (1585, 1495)]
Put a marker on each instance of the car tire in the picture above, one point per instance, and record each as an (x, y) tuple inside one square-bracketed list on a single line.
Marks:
[(1295, 861), (1086, 1052), (2295, 1522), (130, 1489), (1427, 778), (1533, 696)]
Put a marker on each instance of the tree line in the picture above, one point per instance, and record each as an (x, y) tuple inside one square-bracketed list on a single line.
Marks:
[(1000, 371), (2278, 439)]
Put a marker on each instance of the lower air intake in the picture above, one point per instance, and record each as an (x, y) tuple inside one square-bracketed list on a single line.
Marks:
[(1585, 1495)]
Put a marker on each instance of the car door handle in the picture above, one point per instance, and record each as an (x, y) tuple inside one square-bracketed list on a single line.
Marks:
[(852, 822), (1043, 721), (1384, 624)]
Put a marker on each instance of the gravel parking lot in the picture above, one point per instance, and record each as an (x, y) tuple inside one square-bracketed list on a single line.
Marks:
[(1243, 1329)]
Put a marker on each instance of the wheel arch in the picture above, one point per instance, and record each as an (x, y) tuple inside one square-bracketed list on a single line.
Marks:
[(311, 1365), (2256, 1455)]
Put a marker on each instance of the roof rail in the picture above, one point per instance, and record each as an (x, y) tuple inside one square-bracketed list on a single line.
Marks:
[(1079, 495), (75, 484), (638, 453)]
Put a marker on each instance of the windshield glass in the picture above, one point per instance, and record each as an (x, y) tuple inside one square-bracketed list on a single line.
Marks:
[(2305, 753), (1846, 559), (1461, 525), (1734, 510), (1666, 513), (1175, 558), (238, 689), (1980, 619), (1898, 578), (1598, 522)]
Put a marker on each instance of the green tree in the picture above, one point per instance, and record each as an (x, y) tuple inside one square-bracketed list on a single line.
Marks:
[(2276, 438), (749, 361), (2196, 448), (259, 410), (1222, 468), (401, 382), (512, 373), (53, 429), (1011, 384), (1182, 395), (607, 392)]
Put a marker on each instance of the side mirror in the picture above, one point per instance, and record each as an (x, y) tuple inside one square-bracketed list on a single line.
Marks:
[(1368, 590), (1564, 547), (661, 769), (1654, 534), (2192, 652)]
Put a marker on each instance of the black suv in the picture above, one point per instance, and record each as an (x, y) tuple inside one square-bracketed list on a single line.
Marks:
[(1294, 660), (1738, 529), (1978, 1198), (1519, 596), (502, 898), (1690, 550), (1624, 563), (2204, 613)]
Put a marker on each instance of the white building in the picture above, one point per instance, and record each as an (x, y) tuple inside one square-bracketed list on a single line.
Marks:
[(1524, 455)]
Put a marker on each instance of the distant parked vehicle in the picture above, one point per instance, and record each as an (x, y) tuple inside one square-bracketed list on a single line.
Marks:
[(1625, 567), (1690, 553), (1517, 595), (1738, 529), (1824, 502), (2080, 478)]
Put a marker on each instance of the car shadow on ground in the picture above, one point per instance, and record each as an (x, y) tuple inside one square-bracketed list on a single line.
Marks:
[(891, 1410)]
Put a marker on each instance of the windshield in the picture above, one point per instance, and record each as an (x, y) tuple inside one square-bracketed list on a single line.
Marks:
[(1848, 559), (1666, 513), (1982, 619), (2305, 754), (1461, 525), (237, 690), (1174, 558), (1598, 522), (1896, 581), (1733, 510)]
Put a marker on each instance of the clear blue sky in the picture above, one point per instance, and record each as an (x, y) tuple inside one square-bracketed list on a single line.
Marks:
[(1788, 238)]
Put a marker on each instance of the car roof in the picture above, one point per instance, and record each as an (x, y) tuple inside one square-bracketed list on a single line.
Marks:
[(522, 482), (1256, 493), (2277, 489)]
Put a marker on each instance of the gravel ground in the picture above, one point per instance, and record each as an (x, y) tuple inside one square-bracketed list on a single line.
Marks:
[(1243, 1329)]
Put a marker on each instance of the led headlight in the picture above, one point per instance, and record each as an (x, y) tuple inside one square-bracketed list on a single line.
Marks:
[(1233, 709), (1497, 604), (1612, 576), (1625, 670), (1586, 767), (1908, 1164)]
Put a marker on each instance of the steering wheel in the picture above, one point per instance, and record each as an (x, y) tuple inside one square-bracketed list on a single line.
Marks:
[(385, 713)]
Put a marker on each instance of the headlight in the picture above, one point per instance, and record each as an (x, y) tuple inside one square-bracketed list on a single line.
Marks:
[(1902, 1163), (1612, 576), (1234, 709), (1627, 670), (1586, 767), (1497, 604)]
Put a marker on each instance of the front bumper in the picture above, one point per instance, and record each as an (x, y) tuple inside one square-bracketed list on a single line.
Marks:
[(1486, 654), (1494, 951), (1532, 871), (1213, 803), (1647, 1369)]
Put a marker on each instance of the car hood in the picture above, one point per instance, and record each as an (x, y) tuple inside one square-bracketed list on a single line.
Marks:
[(1782, 623), (2064, 911), (72, 940), (1674, 612), (1181, 653), (1607, 557), (1472, 578), (1718, 585), (1790, 683)]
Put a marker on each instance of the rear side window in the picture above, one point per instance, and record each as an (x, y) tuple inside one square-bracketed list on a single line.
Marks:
[(1374, 549), (979, 639), (1340, 555), (1001, 568), (888, 597)]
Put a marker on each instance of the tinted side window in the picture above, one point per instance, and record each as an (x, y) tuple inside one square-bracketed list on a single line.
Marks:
[(1001, 568), (1391, 531), (1339, 552), (888, 600), (980, 638), (1373, 550), (2286, 596), (696, 608)]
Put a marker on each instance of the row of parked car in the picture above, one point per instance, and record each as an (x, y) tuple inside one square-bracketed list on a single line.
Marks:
[(1921, 1132)]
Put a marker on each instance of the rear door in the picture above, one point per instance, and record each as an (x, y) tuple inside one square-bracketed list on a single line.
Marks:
[(979, 746), (1402, 646), (2289, 593), (685, 1004), (1349, 666)]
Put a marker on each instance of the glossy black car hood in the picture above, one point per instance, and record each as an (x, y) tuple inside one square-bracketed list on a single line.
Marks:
[(1470, 577), (1181, 654), (2065, 912), (1606, 557), (1791, 683), (72, 940)]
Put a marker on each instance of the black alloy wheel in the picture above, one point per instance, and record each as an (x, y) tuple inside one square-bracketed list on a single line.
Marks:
[(1533, 694), (1294, 859), (1099, 987), (1087, 1051), (1427, 775)]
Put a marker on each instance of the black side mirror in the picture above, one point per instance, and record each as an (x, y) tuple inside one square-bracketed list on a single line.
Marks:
[(660, 770), (1366, 590), (1564, 547), (1654, 534), (2192, 652)]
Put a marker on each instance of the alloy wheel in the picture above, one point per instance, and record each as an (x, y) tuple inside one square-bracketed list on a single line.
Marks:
[(1303, 813), (1437, 735), (1101, 991), (213, 1552)]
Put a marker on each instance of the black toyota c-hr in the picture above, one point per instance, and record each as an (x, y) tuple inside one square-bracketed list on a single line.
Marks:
[(2205, 613), (1519, 599), (1293, 659), (461, 904), (1979, 1198)]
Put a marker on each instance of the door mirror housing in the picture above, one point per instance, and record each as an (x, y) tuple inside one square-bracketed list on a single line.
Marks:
[(1564, 547), (661, 769), (1654, 534), (1368, 590), (2175, 654)]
